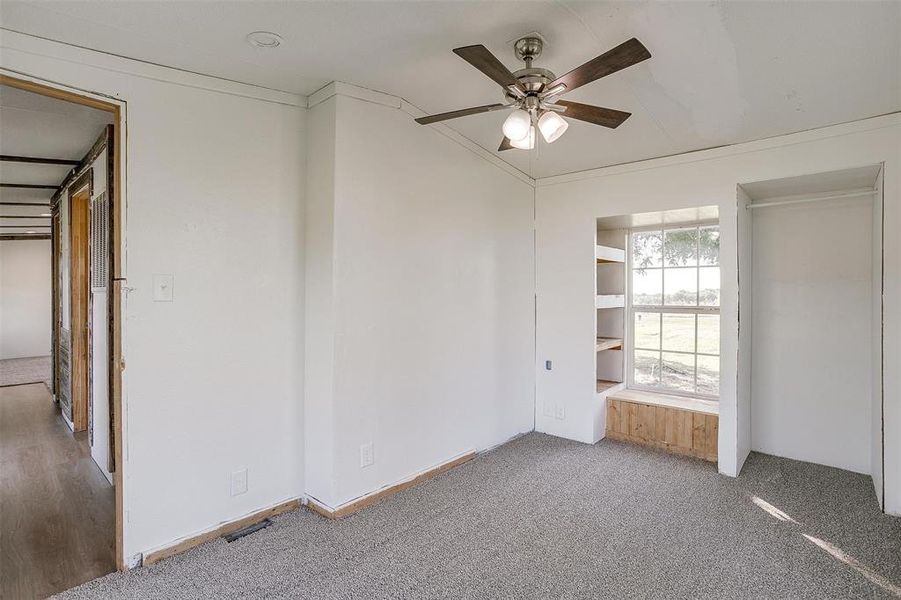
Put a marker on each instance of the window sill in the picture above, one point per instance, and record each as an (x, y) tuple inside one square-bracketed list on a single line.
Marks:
[(700, 405)]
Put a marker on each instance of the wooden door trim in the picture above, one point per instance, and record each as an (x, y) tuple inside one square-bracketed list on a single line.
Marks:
[(115, 272), (79, 196)]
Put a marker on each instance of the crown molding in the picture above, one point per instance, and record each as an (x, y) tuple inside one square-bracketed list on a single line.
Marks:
[(18, 52), (802, 137)]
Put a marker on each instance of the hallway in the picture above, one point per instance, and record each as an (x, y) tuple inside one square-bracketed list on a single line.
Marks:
[(56, 508)]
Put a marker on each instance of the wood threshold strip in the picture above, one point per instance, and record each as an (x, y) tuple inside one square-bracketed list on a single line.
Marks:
[(224, 529), (362, 502)]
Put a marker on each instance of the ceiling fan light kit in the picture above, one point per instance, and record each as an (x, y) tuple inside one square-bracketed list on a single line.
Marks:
[(527, 142), (552, 126), (534, 93), (517, 125)]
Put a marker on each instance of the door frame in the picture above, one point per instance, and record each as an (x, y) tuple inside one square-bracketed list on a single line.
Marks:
[(55, 229), (115, 149)]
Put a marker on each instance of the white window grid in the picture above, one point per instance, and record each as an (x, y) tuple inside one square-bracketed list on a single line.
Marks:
[(696, 310)]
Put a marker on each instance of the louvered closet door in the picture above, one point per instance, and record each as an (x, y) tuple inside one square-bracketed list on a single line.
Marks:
[(101, 433)]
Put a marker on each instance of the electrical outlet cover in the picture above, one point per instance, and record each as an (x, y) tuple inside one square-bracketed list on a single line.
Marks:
[(367, 456), (239, 482), (561, 412)]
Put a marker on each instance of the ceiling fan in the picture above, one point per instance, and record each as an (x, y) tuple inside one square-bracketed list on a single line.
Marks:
[(534, 93)]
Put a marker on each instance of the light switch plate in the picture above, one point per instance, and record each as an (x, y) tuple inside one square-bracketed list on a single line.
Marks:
[(162, 287)]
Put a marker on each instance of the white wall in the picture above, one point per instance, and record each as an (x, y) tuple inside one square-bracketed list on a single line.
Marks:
[(432, 291), (319, 353), (213, 381), (566, 210), (25, 314), (812, 361)]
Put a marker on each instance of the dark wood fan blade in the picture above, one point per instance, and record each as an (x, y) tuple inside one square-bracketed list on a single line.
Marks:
[(458, 113), (482, 59), (624, 55), (594, 114), (505, 144)]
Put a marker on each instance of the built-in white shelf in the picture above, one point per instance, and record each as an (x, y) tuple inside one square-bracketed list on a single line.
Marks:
[(608, 343), (606, 254), (610, 333), (609, 301)]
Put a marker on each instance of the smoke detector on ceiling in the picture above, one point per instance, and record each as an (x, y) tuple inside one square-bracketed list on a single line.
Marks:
[(264, 39)]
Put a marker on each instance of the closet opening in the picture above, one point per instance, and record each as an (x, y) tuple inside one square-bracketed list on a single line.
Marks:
[(812, 275)]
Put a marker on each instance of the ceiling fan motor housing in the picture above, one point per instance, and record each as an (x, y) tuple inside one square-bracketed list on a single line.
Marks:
[(532, 80)]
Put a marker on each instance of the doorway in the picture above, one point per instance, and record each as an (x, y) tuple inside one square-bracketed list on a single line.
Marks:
[(81, 226)]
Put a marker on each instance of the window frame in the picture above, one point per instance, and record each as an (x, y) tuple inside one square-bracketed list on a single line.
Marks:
[(696, 310)]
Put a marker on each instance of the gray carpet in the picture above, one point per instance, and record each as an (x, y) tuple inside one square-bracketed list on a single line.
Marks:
[(542, 517), (34, 369)]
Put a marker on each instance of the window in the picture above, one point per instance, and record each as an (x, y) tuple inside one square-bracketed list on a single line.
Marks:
[(674, 310)]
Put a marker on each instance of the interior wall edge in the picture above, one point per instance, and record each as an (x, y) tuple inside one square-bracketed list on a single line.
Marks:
[(744, 237)]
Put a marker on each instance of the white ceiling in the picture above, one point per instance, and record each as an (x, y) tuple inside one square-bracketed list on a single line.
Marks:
[(37, 126), (721, 73)]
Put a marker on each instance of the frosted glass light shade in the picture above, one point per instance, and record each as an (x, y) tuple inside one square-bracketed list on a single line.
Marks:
[(552, 126), (517, 125), (526, 143)]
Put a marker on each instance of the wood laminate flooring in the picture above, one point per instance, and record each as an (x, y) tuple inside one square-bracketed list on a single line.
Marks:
[(57, 511)]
